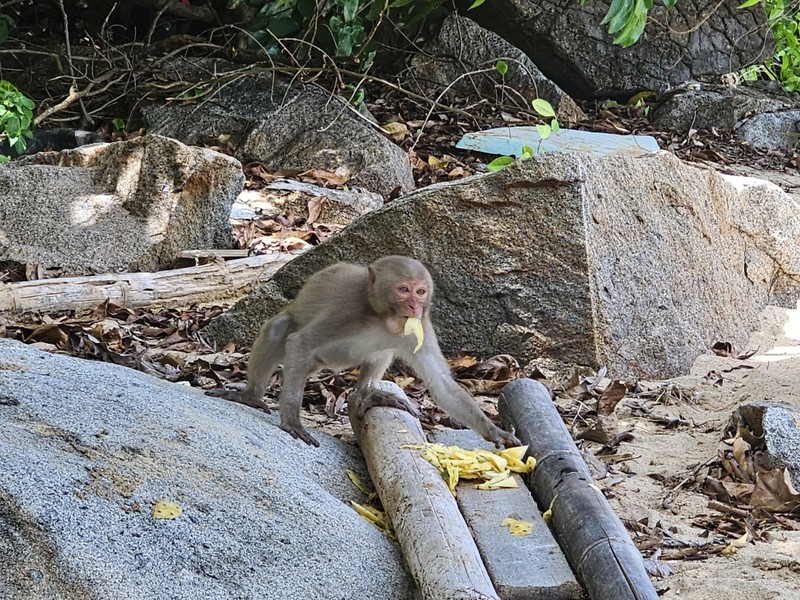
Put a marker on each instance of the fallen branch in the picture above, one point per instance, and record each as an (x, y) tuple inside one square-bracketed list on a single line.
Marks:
[(212, 282)]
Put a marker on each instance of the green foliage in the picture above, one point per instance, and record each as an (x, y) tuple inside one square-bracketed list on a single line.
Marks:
[(544, 109), (6, 23), (626, 19), (784, 19), (16, 116), (342, 28), (500, 162)]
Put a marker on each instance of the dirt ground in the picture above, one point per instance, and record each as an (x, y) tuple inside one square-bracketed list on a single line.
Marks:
[(758, 570)]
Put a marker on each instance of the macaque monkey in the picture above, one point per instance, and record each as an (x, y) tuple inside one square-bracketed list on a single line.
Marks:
[(347, 316)]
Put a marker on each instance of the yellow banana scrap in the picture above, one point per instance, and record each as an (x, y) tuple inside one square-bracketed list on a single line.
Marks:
[(356, 481), (548, 514), (494, 468), (166, 509), (376, 517), (517, 527), (414, 325), (502, 480)]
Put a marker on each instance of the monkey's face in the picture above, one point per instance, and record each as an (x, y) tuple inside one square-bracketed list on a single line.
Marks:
[(411, 296)]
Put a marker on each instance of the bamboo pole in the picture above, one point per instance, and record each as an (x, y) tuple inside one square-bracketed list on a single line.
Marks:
[(437, 545), (591, 536)]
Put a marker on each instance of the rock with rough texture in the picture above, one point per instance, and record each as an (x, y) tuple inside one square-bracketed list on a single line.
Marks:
[(776, 426), (462, 47), (88, 449), (285, 126), (694, 40), (772, 130), (706, 106), (638, 263), (125, 206)]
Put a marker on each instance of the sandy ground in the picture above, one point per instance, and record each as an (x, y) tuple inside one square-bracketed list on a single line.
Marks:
[(759, 570)]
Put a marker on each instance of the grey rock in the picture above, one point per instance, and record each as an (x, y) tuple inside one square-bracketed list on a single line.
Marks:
[(772, 130), (125, 206), (638, 263), (464, 46), (704, 106), (571, 47), (776, 424), (87, 449), (283, 125)]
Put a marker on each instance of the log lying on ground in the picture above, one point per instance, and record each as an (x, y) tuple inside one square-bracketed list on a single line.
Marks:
[(529, 567), (593, 539), (436, 543), (212, 282)]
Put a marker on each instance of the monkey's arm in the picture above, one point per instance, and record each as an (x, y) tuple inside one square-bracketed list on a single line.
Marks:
[(431, 366)]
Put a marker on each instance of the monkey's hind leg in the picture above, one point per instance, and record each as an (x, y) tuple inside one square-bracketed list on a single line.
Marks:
[(265, 356)]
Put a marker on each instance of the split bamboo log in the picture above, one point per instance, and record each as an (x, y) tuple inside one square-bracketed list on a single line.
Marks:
[(436, 543), (211, 282), (592, 537)]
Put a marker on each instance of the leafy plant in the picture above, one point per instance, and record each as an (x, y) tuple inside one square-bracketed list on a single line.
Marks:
[(784, 20), (342, 28), (16, 116), (6, 23), (544, 109), (626, 19)]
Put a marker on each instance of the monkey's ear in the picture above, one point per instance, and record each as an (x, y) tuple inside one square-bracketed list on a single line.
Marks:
[(372, 275)]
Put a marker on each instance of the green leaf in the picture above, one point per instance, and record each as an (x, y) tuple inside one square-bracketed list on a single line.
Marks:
[(527, 152), (555, 126), (544, 131), (501, 67), (4, 159), (501, 162), (349, 9), (669, 4), (476, 4), (543, 107), (118, 124), (282, 26), (748, 3)]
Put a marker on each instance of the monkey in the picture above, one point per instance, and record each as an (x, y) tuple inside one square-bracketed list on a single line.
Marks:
[(354, 316)]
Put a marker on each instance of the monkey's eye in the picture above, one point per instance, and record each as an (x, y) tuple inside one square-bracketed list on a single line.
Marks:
[(421, 292), (403, 289)]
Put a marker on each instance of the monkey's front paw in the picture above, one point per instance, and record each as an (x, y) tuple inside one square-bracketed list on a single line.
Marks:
[(505, 439), (299, 432)]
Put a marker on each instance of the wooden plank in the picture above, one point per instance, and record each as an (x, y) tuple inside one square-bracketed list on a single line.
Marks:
[(521, 567), (593, 539), (436, 543), (211, 282)]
